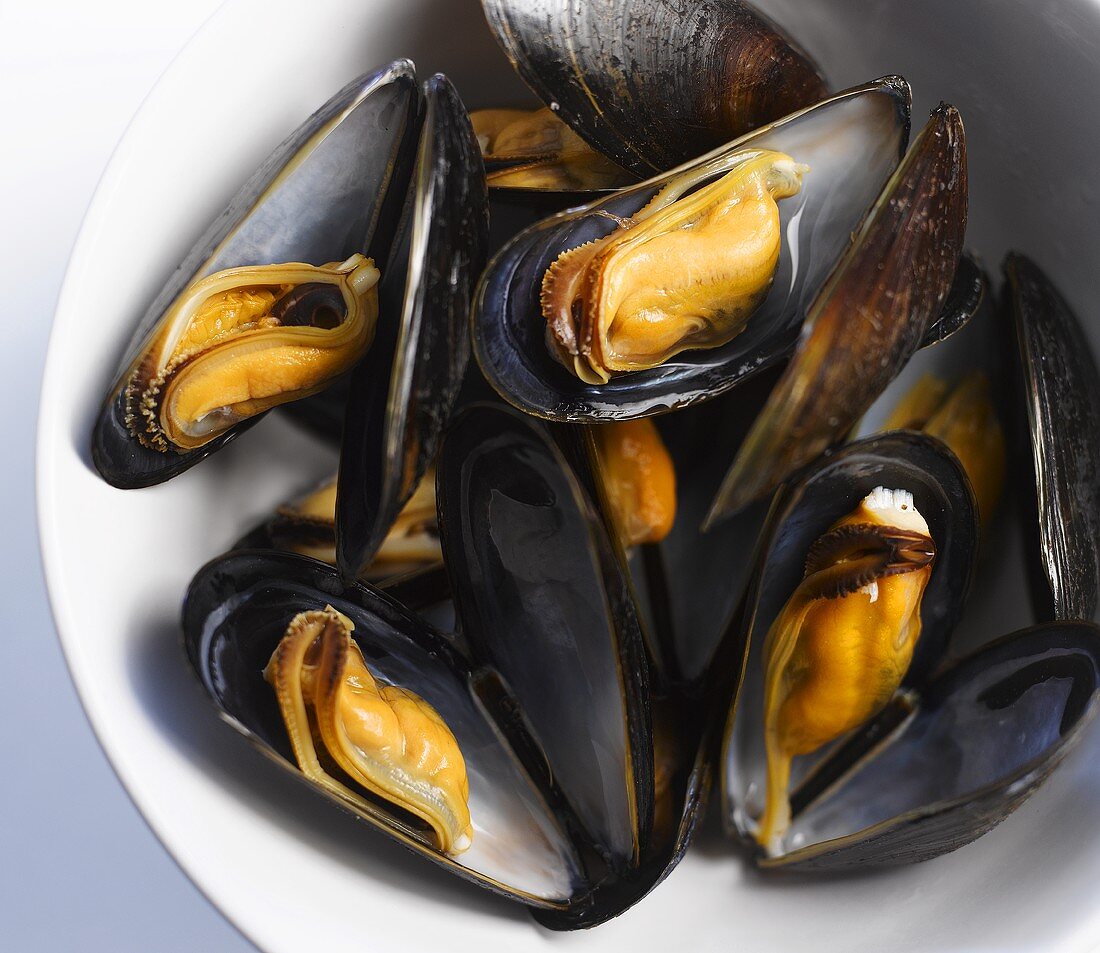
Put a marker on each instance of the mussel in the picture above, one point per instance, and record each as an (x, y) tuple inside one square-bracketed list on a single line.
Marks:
[(914, 772), (536, 150), (509, 329), (685, 272), (544, 689), (262, 311)]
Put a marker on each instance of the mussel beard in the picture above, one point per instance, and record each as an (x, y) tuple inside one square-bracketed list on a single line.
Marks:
[(841, 646), (385, 739), (685, 272), (534, 149), (244, 340)]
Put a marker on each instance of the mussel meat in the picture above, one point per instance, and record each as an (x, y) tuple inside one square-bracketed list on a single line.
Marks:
[(840, 647), (535, 149), (244, 340), (385, 738), (639, 479), (308, 526), (684, 272), (963, 417)]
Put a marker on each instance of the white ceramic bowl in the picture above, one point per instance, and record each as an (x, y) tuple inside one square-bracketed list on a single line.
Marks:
[(292, 872)]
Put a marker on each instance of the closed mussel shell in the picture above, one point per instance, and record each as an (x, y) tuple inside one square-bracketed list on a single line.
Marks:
[(653, 83), (543, 596)]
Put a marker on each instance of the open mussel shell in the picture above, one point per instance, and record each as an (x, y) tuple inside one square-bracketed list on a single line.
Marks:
[(948, 762), (852, 142), (799, 516), (392, 435), (335, 187), (236, 612), (1060, 387), (653, 83), (868, 319)]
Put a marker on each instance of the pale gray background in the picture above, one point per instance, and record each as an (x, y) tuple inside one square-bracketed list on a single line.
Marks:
[(79, 870)]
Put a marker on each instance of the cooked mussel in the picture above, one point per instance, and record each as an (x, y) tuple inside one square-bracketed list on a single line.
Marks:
[(1060, 386), (870, 316), (651, 84), (262, 310), (816, 227), (685, 272), (536, 150), (307, 525), (914, 772), (945, 763), (384, 738), (565, 812)]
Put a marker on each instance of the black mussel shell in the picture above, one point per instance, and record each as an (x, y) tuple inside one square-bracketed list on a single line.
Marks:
[(654, 83), (237, 610), (871, 122), (536, 555), (343, 189), (545, 685), (410, 387), (948, 763), (800, 515), (869, 318), (543, 599), (1060, 388)]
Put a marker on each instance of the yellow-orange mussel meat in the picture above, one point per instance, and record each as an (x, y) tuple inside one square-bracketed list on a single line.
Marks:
[(639, 478), (244, 340), (385, 739), (964, 418), (685, 272), (839, 649), (534, 149), (308, 526)]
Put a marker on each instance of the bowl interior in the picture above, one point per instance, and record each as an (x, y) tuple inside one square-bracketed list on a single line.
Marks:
[(293, 872)]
